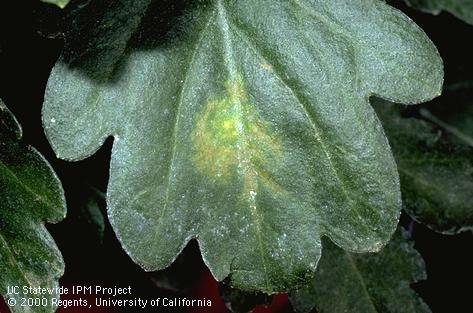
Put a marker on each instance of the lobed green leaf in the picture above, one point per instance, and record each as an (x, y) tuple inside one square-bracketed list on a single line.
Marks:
[(454, 111), (436, 171), (365, 283), (463, 9), (244, 124), (30, 195)]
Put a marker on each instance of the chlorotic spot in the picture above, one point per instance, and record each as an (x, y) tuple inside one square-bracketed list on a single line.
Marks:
[(231, 140), (266, 66)]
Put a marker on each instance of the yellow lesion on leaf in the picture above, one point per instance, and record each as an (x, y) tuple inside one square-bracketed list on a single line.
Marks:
[(230, 138), (266, 66)]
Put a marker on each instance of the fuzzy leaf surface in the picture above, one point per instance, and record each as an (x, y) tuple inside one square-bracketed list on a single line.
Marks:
[(30, 195), (244, 124), (463, 9), (365, 283), (436, 171)]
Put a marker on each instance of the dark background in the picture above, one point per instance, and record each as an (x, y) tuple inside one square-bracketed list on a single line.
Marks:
[(26, 59)]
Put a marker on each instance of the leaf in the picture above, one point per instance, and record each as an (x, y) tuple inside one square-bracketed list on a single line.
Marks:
[(250, 132), (436, 173), (30, 194), (454, 111), (463, 9), (365, 283), (238, 301), (60, 3), (89, 213)]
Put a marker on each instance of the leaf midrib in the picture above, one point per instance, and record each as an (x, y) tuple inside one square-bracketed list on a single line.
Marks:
[(12, 257), (232, 72), (36, 196), (219, 10), (13, 260), (361, 279)]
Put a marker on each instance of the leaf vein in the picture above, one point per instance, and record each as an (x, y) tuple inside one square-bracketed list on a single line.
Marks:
[(26, 187), (192, 59), (225, 28), (301, 100)]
